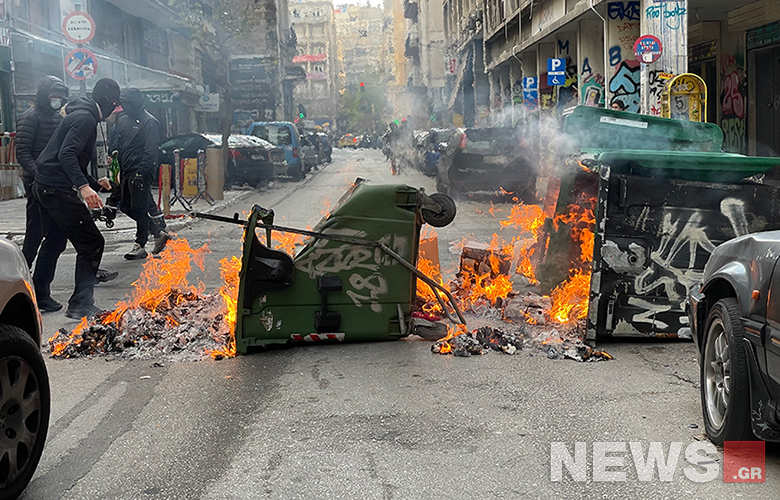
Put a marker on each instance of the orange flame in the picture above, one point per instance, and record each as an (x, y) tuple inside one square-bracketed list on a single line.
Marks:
[(229, 269)]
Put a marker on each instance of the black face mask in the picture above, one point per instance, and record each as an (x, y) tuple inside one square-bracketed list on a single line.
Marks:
[(106, 107)]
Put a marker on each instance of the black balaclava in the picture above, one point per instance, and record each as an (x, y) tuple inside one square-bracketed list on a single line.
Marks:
[(106, 95), (132, 102)]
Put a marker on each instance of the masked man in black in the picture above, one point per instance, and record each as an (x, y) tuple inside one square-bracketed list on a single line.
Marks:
[(61, 177), (34, 128), (136, 136)]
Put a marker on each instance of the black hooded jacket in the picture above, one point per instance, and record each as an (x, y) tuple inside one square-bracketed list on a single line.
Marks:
[(35, 126), (136, 135), (63, 163)]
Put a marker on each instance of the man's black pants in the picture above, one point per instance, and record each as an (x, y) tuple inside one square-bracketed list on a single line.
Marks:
[(33, 233), (66, 218), (134, 197)]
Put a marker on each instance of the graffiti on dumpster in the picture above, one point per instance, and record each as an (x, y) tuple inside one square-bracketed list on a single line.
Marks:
[(671, 269), (365, 288)]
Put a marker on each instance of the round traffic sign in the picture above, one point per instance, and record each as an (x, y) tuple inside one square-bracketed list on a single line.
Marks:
[(78, 27), (648, 49), (81, 64)]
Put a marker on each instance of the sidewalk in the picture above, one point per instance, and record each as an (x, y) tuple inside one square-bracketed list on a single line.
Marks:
[(12, 217)]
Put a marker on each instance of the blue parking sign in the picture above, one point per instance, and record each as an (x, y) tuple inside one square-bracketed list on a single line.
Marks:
[(556, 71)]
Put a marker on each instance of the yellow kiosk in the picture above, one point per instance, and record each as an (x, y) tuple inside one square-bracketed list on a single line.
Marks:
[(685, 98)]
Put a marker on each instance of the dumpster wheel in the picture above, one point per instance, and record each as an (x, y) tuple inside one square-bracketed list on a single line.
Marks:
[(444, 216)]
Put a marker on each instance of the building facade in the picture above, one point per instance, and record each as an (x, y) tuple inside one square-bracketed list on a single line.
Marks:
[(417, 86), (360, 45), (498, 46), (139, 44), (312, 21)]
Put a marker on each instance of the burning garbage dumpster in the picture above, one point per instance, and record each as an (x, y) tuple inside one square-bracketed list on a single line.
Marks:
[(663, 197)]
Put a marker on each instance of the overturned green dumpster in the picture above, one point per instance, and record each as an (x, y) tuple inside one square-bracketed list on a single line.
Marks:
[(665, 196), (355, 279)]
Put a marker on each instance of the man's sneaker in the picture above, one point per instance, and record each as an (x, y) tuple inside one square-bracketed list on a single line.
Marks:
[(159, 243), (102, 276), (49, 305), (138, 252), (81, 312)]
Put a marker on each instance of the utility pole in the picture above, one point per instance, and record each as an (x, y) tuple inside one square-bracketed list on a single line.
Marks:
[(668, 22)]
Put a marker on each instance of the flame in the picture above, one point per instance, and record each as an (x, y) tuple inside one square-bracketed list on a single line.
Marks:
[(161, 287), (286, 242), (229, 269), (424, 292), (570, 298), (452, 331)]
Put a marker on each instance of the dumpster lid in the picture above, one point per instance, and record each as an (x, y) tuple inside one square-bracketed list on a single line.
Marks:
[(608, 129), (688, 165)]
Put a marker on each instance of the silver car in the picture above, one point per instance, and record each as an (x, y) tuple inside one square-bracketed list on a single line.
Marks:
[(24, 384)]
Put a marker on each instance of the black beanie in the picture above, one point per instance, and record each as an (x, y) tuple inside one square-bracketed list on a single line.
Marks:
[(106, 89)]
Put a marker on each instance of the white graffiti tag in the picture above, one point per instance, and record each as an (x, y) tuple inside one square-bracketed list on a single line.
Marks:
[(374, 286)]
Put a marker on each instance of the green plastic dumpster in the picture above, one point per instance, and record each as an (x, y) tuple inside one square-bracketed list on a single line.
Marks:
[(355, 280)]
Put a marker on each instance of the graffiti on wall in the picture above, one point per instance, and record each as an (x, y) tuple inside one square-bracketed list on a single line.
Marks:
[(624, 86), (623, 11), (592, 86), (733, 104), (623, 80), (656, 80), (673, 14)]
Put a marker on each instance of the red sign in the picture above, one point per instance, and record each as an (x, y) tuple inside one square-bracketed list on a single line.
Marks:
[(309, 58), (81, 64), (648, 49), (78, 27), (744, 462)]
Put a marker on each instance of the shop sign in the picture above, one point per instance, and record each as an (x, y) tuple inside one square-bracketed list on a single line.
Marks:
[(208, 103), (763, 35)]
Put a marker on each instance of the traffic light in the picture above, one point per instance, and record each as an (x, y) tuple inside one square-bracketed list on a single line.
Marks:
[(301, 112), (362, 87)]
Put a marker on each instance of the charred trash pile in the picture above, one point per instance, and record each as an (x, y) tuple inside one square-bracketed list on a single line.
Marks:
[(164, 316)]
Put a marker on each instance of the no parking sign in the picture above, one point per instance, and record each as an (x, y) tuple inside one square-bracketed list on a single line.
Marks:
[(81, 64)]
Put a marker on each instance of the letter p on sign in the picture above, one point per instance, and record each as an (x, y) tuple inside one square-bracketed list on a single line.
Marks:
[(744, 462)]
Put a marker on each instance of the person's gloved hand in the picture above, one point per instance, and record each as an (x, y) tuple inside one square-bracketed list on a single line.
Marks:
[(138, 182)]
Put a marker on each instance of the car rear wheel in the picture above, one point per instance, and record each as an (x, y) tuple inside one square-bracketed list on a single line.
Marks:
[(24, 409), (725, 386)]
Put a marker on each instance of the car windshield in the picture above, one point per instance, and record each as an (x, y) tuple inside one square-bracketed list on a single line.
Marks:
[(487, 140), (279, 135)]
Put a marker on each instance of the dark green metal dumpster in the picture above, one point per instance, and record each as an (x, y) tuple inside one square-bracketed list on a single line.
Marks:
[(665, 197)]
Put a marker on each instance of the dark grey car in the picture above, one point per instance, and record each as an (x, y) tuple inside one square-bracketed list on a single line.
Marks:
[(735, 321)]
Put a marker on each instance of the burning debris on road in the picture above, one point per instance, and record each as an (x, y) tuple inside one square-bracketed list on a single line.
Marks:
[(165, 315), (496, 287)]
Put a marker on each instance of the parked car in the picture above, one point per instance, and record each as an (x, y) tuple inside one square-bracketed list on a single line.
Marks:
[(286, 136), (310, 150), (25, 399), (486, 159), (735, 321), (252, 160)]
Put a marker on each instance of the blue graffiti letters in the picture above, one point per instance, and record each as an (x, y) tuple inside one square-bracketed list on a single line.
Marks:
[(624, 86), (622, 11)]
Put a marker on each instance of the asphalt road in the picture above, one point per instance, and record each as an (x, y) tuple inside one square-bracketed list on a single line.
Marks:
[(385, 420)]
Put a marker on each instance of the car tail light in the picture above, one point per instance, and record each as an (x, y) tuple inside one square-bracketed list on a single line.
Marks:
[(463, 141), (295, 152), (237, 155)]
